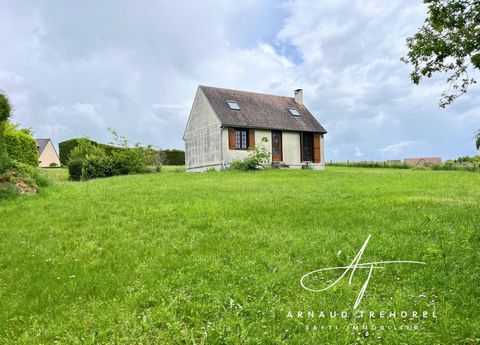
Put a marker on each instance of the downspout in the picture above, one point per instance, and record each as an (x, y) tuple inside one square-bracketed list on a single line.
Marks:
[(221, 148)]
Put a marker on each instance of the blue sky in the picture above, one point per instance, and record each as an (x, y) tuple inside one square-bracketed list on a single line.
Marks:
[(76, 68)]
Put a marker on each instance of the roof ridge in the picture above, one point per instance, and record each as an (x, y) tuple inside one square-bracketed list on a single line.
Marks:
[(237, 90)]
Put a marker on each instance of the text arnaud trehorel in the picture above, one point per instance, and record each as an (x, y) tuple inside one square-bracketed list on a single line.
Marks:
[(360, 314)]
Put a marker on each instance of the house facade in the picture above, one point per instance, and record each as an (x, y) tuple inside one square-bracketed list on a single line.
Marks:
[(224, 124), (47, 155)]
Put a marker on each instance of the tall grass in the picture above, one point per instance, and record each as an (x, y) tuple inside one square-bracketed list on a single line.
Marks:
[(216, 258)]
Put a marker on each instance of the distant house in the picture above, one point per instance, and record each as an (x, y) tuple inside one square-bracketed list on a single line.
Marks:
[(47, 155), (224, 123), (423, 161)]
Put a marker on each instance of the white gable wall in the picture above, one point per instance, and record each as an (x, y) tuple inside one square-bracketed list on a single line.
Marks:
[(202, 136), (48, 156)]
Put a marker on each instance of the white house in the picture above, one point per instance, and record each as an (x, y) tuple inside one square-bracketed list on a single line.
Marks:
[(47, 155), (224, 123)]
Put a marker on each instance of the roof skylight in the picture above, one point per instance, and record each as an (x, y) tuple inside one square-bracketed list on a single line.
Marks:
[(294, 111), (233, 105)]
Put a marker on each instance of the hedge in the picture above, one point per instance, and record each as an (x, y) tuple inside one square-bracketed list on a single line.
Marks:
[(21, 147), (174, 157), (65, 147)]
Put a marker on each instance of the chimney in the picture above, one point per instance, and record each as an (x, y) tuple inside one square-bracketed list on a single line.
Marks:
[(298, 96)]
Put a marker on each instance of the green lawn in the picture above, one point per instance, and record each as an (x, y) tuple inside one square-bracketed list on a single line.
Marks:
[(216, 258)]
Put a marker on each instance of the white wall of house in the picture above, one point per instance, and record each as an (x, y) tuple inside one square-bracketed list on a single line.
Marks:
[(232, 155), (202, 136), (48, 156), (290, 148)]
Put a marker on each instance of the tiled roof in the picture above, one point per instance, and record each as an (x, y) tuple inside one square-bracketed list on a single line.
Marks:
[(423, 160), (259, 110), (41, 143)]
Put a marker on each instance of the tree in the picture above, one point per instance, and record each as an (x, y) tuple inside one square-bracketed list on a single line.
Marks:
[(5, 108), (477, 140), (448, 42), (5, 112)]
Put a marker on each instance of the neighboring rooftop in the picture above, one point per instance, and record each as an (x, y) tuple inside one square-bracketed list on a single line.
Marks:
[(423, 160), (258, 110), (41, 143)]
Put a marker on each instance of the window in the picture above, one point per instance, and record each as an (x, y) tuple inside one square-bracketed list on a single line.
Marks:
[(233, 105), (241, 136), (294, 111)]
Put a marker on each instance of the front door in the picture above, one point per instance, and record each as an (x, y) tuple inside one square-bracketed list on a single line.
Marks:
[(276, 146), (307, 147)]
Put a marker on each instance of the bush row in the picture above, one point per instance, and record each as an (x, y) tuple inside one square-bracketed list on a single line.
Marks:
[(369, 164), (172, 157), (67, 146), (460, 164), (89, 160)]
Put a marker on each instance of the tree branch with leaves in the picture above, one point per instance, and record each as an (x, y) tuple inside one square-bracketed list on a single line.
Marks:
[(448, 42)]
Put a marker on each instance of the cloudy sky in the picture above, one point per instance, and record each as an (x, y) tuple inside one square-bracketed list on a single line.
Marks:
[(76, 68)]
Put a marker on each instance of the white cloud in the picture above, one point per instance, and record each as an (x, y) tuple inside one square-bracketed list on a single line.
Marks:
[(399, 148), (358, 152)]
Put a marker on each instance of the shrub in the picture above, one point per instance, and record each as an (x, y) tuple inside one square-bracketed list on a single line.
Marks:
[(129, 161), (20, 145), (75, 169), (174, 157), (258, 156), (34, 176), (66, 147), (18, 158), (4, 162), (98, 167), (155, 158), (84, 148), (122, 162), (21, 179), (99, 160), (150, 169)]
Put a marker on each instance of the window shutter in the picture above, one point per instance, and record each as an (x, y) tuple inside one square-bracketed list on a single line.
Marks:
[(232, 139), (251, 138), (316, 148)]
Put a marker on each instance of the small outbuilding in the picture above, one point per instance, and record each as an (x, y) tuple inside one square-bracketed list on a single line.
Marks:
[(225, 123), (47, 155)]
